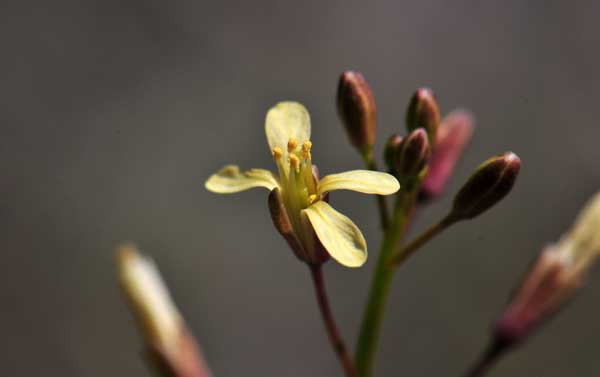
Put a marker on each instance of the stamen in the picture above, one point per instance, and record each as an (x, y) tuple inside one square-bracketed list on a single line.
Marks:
[(312, 198), (292, 144), (306, 150), (277, 153), (295, 162)]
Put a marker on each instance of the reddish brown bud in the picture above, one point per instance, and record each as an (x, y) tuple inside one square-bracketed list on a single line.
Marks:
[(423, 111), (356, 109), (557, 274), (390, 150), (547, 287), (411, 158), (491, 182), (453, 136)]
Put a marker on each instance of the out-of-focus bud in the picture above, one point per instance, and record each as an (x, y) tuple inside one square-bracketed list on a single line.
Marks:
[(423, 111), (491, 182), (313, 253), (554, 279), (356, 108), (411, 158), (453, 136), (171, 346), (390, 150), (159, 318), (581, 245)]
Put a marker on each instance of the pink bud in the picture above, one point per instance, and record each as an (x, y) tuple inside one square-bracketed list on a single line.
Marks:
[(550, 283), (453, 136)]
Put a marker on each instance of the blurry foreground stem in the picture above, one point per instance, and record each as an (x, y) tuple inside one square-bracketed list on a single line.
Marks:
[(384, 216), (382, 278), (487, 360), (332, 331)]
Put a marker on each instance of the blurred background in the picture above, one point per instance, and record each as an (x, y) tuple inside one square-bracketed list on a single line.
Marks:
[(115, 112)]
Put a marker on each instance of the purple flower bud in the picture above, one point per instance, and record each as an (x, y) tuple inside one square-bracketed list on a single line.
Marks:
[(356, 108), (411, 158), (557, 274), (491, 182), (453, 136), (390, 150), (423, 112), (550, 283)]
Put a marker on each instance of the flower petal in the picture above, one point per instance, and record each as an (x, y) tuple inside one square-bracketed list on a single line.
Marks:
[(230, 180), (338, 234), (365, 181), (284, 121)]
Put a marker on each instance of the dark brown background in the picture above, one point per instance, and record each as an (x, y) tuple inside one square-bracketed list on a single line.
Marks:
[(113, 113)]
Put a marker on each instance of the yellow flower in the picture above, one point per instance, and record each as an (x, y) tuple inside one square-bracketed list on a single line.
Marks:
[(298, 197)]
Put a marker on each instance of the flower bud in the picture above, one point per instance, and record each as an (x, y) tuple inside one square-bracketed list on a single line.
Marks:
[(491, 182), (453, 136), (389, 152), (547, 286), (170, 345), (411, 158), (555, 277), (356, 109), (159, 318), (423, 112)]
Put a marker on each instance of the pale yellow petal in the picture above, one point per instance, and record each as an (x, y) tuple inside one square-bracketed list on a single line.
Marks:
[(365, 181), (285, 121), (339, 235), (230, 180)]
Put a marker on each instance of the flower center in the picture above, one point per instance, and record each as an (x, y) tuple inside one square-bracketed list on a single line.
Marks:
[(298, 184)]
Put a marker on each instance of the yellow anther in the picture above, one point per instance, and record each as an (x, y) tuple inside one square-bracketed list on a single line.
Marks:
[(312, 198), (295, 162), (277, 153), (306, 149), (292, 145)]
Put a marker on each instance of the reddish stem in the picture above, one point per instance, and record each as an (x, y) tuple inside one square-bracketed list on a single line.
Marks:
[(488, 359), (332, 331)]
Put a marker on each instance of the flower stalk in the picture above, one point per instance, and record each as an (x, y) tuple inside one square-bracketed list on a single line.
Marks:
[(487, 360), (330, 325), (414, 245), (384, 215)]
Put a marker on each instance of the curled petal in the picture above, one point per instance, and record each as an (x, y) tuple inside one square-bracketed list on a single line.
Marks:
[(365, 181), (338, 234), (285, 121), (230, 180)]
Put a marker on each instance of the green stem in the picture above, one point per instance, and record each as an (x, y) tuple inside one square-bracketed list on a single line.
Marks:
[(380, 285), (384, 216), (421, 240)]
